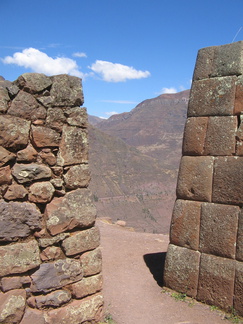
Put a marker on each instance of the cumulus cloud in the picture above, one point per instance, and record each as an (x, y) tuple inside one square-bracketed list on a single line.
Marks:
[(168, 90), (115, 72), (40, 62), (110, 113), (79, 54)]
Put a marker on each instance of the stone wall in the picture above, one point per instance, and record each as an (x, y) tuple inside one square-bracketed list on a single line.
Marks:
[(50, 261), (205, 254)]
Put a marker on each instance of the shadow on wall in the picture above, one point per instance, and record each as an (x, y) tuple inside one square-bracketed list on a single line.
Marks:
[(156, 262)]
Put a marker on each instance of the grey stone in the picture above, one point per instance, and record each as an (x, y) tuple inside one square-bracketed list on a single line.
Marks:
[(44, 242), (77, 116), (53, 299), (30, 172), (33, 82), (78, 176), (91, 262), (4, 100)]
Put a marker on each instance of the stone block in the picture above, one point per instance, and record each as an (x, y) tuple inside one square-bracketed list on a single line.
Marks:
[(48, 157), (77, 116), (47, 241), (204, 63), (12, 306), (212, 97), (41, 192), (5, 156), (55, 118), (24, 173), (238, 293), (5, 175), (44, 137), (33, 82), (195, 178), (4, 100), (18, 220), (185, 223), (19, 257), (194, 136), (218, 229), (239, 243), (33, 316), (15, 191), (53, 299), (91, 262), (29, 154), (78, 176), (86, 286), (51, 253), (216, 281), (10, 283), (239, 95), (75, 210), (82, 241), (227, 187), (220, 138), (182, 270)]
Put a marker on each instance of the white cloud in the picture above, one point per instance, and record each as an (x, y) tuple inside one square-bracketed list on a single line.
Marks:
[(126, 102), (115, 72), (40, 62), (110, 113), (79, 54), (168, 90)]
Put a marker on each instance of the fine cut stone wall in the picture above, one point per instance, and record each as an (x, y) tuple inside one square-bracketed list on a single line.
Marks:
[(205, 254), (50, 261)]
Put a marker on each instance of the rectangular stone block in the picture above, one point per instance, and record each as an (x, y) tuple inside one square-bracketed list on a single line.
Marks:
[(220, 138), (239, 243), (86, 286), (195, 178), (91, 262), (216, 281), (182, 269), (218, 229), (239, 95), (204, 63), (185, 224), (212, 97), (227, 186), (238, 295), (194, 135)]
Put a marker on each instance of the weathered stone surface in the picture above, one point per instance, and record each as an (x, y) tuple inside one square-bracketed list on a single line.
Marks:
[(5, 156), (77, 116), (19, 257), (18, 220), (238, 293), (185, 223), (57, 183), (25, 106), (30, 172), (33, 82), (239, 243), (29, 154), (212, 97), (91, 262), (48, 157), (51, 253), (5, 175), (53, 299), (86, 286), (73, 146), (82, 241), (14, 132), (221, 132), (218, 229), (44, 242), (4, 100), (182, 269), (194, 135), (204, 63), (15, 191), (33, 316), (87, 310), (216, 281), (74, 210), (51, 276), (41, 192), (13, 90), (195, 178), (78, 176), (45, 137), (9, 283), (239, 95), (55, 118), (227, 187), (12, 306)]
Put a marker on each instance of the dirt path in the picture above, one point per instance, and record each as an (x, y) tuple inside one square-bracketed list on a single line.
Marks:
[(132, 266)]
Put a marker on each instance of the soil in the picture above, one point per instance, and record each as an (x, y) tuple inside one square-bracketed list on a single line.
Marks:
[(133, 281)]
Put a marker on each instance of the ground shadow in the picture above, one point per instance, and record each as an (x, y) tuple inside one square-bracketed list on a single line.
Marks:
[(156, 262)]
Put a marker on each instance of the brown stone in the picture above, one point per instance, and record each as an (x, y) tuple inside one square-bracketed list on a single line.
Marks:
[(78, 176), (218, 229), (33, 316), (238, 293), (33, 82), (239, 95), (204, 63), (239, 243), (221, 132), (86, 286), (30, 172), (77, 116), (13, 90), (10, 283), (195, 178), (74, 210), (29, 154), (182, 270), (4, 100), (194, 136), (57, 183), (14, 132), (227, 187), (51, 253), (212, 97), (82, 241), (48, 158), (47, 241), (15, 191), (41, 192), (5, 156), (12, 306), (216, 281), (53, 299), (55, 118), (91, 262), (185, 223), (5, 175), (44, 136)]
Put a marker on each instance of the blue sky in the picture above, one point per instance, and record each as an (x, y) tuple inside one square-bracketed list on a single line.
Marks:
[(125, 51)]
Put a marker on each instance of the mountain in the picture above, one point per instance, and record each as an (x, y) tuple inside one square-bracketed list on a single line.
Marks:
[(93, 120)]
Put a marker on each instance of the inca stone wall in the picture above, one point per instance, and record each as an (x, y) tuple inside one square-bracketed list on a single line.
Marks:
[(205, 254), (50, 262)]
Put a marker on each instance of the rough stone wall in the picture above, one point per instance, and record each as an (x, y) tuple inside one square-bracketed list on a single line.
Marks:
[(50, 261), (205, 254)]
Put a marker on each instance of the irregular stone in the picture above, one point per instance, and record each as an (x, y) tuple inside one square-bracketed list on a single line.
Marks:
[(182, 270), (55, 118), (86, 286), (48, 158), (41, 192), (33, 82), (13, 90), (195, 178), (10, 283), (185, 224), (238, 293), (57, 183), (82, 241), (51, 276), (212, 97), (53, 299), (77, 116), (227, 188), (15, 191), (73, 146), (30, 172), (5, 156), (45, 137), (29, 154), (44, 242), (51, 253), (194, 136), (33, 316), (218, 229), (204, 63), (12, 306), (91, 262), (216, 281), (18, 220), (239, 243), (5, 175), (14, 132), (19, 257), (4, 100), (25, 106), (78, 176), (239, 95), (57, 170), (74, 210)]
